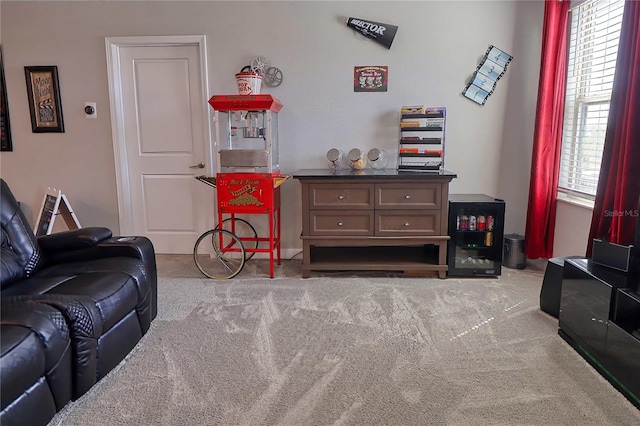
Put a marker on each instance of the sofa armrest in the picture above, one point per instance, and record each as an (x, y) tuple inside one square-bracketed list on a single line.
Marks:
[(138, 247), (141, 248), (73, 240)]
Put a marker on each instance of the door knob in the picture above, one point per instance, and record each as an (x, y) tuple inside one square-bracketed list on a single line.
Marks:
[(200, 165)]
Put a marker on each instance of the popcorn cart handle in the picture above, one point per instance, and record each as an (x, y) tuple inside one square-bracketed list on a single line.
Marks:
[(277, 181), (209, 180)]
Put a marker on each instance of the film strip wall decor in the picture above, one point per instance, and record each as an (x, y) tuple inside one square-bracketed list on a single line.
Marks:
[(486, 76)]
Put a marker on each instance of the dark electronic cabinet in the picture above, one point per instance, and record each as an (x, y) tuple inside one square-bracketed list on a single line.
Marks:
[(476, 228), (600, 318)]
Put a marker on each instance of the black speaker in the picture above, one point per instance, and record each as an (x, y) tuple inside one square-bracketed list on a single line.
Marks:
[(612, 255)]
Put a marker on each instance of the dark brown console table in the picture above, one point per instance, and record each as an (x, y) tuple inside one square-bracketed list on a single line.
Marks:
[(600, 318), (374, 220)]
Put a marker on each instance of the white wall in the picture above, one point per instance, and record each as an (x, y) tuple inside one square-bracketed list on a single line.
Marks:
[(436, 49), (572, 229)]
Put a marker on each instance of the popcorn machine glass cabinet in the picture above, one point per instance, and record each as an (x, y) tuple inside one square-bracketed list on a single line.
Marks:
[(247, 135)]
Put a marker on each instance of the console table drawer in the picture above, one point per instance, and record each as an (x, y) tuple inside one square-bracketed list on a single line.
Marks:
[(407, 222), (349, 196), (408, 196), (328, 222)]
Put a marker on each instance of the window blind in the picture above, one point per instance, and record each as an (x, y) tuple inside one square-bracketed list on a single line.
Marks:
[(593, 50)]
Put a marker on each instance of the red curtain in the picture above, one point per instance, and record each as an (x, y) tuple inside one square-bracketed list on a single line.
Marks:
[(616, 206), (547, 137)]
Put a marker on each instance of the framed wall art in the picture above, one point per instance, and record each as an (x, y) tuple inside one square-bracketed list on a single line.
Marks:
[(370, 78), (5, 129), (43, 91)]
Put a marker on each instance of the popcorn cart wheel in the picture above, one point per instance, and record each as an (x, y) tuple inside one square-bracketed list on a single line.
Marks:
[(219, 254), (222, 255), (243, 230)]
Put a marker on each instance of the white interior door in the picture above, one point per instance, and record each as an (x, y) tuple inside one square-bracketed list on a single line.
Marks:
[(163, 141)]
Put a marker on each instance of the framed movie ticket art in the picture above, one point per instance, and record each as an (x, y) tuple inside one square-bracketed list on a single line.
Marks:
[(43, 91), (370, 78)]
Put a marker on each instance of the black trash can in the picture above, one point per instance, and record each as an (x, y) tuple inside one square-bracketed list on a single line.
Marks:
[(513, 253)]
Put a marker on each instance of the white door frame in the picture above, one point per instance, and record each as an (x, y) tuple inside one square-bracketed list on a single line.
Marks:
[(113, 45)]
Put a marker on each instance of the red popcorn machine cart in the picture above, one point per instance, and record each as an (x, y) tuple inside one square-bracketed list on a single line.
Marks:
[(247, 182)]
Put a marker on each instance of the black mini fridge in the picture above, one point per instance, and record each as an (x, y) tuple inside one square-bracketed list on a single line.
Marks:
[(476, 228)]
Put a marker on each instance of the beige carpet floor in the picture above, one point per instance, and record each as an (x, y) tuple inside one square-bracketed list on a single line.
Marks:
[(342, 349)]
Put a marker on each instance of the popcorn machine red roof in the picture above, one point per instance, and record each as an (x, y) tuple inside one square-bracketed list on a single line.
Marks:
[(242, 102)]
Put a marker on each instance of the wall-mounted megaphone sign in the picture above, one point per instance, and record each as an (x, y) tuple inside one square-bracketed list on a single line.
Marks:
[(376, 31)]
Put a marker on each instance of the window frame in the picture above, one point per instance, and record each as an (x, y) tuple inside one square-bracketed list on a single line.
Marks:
[(576, 132)]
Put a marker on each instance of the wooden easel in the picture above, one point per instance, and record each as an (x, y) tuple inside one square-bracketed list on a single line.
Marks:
[(55, 203)]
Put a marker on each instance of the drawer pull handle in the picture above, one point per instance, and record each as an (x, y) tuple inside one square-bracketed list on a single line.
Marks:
[(340, 197), (339, 223), (407, 197), (406, 224)]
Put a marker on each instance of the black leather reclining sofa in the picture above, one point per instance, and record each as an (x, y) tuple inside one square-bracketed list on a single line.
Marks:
[(74, 304)]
